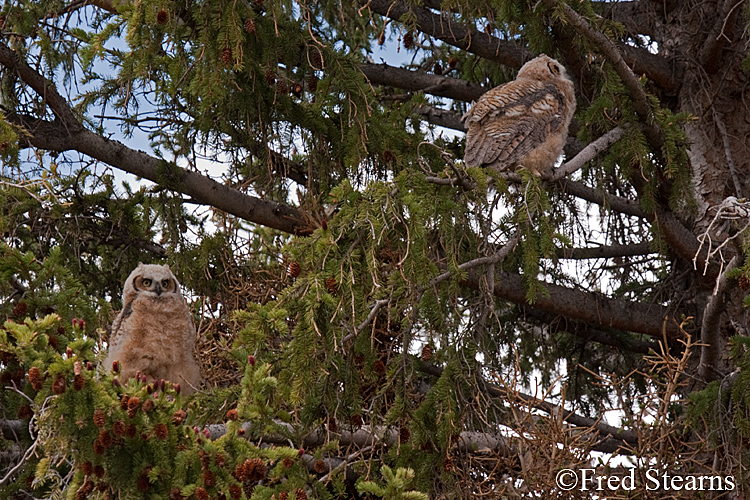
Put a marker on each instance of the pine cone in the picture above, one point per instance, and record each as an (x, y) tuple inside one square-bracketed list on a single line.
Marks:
[(226, 56), (235, 492), (281, 87), (201, 493), (283, 495), (294, 269), (332, 285), (744, 283), (20, 309), (379, 367), (233, 414), (312, 84), (87, 468), (118, 428), (100, 418), (249, 25), (320, 467), (270, 76), (404, 434), (179, 417), (162, 17), (209, 478), (35, 378), (452, 63), (427, 352), (161, 431), (332, 424), (133, 404), (408, 40), (59, 385), (105, 438), (79, 382), (148, 405), (317, 59), (301, 495)]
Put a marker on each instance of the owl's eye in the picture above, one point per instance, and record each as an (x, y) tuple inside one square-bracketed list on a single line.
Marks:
[(146, 282), (165, 283), (554, 68)]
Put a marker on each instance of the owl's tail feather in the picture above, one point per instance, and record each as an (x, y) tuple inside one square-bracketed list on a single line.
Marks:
[(481, 149)]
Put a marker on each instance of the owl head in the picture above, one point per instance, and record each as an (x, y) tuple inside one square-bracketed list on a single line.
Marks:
[(151, 280), (543, 68)]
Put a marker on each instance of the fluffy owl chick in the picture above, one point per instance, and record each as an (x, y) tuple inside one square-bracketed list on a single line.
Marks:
[(523, 122), (154, 332)]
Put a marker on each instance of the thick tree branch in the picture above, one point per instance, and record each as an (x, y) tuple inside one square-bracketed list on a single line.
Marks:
[(720, 35), (666, 74), (605, 251), (619, 340), (441, 86), (489, 47), (441, 117), (67, 133), (616, 203), (595, 309), (711, 335)]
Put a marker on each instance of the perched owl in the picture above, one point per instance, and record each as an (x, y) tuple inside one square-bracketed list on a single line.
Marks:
[(154, 333), (523, 122)]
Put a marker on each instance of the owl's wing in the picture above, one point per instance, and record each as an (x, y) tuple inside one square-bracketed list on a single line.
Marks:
[(511, 120)]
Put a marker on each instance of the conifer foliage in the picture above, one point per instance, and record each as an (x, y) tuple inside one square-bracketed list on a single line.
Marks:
[(375, 319)]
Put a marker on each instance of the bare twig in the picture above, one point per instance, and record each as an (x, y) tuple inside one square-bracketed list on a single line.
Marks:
[(588, 153)]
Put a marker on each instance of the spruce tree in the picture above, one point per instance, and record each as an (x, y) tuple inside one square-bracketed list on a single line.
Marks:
[(376, 319)]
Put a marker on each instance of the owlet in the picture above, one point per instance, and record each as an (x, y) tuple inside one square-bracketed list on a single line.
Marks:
[(523, 122), (154, 332)]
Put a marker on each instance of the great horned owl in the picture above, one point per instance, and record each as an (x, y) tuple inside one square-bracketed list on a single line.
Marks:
[(523, 122), (154, 333)]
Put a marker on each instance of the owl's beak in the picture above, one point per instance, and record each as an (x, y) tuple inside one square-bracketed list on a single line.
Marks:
[(157, 289)]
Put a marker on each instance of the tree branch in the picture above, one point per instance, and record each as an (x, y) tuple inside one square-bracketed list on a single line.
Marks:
[(711, 335), (605, 251), (441, 86), (67, 133), (595, 309), (619, 340), (438, 26), (616, 203), (441, 117), (591, 151)]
